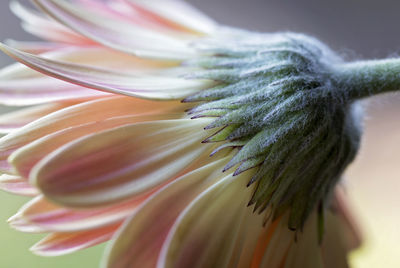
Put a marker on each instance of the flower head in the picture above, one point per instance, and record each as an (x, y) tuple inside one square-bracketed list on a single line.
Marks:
[(186, 143)]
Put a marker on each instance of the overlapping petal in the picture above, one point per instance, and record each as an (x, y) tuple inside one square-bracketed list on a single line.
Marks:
[(17, 185), (64, 243), (38, 24), (49, 217), (117, 163), (206, 232), (19, 85), (136, 85), (104, 166), (96, 110), (17, 119), (139, 242), (116, 34)]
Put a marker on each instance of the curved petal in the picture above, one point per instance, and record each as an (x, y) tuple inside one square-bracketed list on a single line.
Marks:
[(140, 240), (207, 231), (20, 85), (16, 119), (342, 233), (35, 47), (306, 250), (43, 27), (49, 217), (57, 244), (17, 185), (79, 114), (116, 34), (142, 86), (118, 163), (277, 249), (180, 13), (26, 157)]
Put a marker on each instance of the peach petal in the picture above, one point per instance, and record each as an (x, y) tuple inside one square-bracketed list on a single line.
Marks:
[(159, 87), (43, 27), (20, 85), (306, 250), (26, 157), (177, 13), (73, 116), (57, 244), (41, 213), (280, 240), (16, 119), (206, 233), (35, 47), (116, 34), (119, 163), (17, 185), (140, 240)]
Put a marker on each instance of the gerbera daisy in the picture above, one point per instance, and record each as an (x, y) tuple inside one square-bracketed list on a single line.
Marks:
[(185, 143)]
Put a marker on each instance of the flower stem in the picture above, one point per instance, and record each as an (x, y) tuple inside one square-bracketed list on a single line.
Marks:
[(367, 78)]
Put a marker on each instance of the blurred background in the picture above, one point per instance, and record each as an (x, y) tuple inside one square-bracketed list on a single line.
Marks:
[(357, 29)]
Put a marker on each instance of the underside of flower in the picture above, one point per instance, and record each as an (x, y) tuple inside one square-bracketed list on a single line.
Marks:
[(278, 103), (185, 143)]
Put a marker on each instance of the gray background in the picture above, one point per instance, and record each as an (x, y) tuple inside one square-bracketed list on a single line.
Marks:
[(355, 28)]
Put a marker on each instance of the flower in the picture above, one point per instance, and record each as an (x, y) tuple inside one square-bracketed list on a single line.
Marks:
[(185, 143)]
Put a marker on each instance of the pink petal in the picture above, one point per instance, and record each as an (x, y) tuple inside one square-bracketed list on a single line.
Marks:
[(20, 85), (139, 85), (71, 116), (43, 27), (139, 242), (17, 185), (16, 119), (119, 163), (5, 167), (26, 157), (178, 12), (50, 217), (35, 47), (57, 244), (207, 232), (115, 33)]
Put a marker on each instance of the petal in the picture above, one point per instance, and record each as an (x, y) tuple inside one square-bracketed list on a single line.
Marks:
[(16, 119), (139, 85), (89, 55), (39, 90), (35, 47), (19, 85), (180, 13), (140, 240), (344, 212), (306, 251), (119, 163), (26, 157), (279, 238), (5, 167), (17, 185), (207, 231), (43, 27), (64, 243), (335, 247), (116, 34), (342, 233), (134, 14), (79, 114), (41, 213)]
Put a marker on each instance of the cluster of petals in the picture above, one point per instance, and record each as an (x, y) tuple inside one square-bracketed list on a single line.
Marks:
[(105, 159)]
